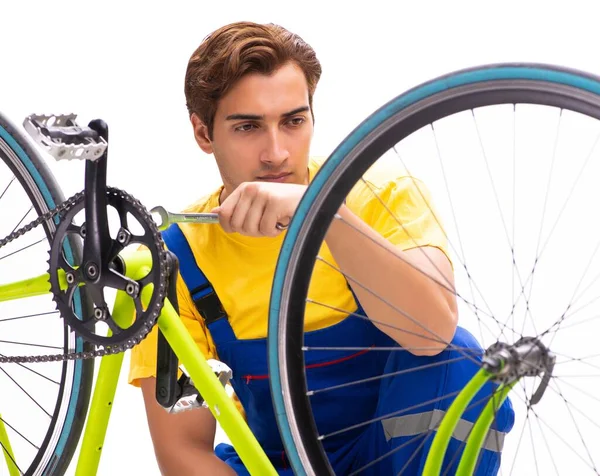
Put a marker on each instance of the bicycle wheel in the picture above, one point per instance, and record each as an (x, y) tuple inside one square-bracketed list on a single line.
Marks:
[(533, 110), (42, 406)]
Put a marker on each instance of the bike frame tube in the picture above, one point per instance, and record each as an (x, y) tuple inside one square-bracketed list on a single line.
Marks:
[(137, 265), (220, 404), (29, 287), (103, 397), (480, 429), (214, 394), (9, 455), (435, 456)]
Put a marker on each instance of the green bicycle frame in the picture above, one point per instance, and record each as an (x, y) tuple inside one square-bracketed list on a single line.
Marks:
[(137, 265), (221, 405), (476, 439)]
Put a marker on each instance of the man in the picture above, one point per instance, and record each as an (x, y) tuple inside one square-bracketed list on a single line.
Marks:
[(249, 91)]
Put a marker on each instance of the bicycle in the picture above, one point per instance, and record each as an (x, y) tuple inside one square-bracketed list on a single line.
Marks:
[(143, 280)]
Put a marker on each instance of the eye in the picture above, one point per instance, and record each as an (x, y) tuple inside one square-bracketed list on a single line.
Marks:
[(247, 127), (296, 121)]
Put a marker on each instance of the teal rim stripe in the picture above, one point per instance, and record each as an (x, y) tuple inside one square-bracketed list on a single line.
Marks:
[(39, 181)]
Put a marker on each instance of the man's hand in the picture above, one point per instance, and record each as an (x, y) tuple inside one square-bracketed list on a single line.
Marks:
[(255, 208)]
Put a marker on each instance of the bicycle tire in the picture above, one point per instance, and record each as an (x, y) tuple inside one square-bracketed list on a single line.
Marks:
[(64, 431), (462, 90)]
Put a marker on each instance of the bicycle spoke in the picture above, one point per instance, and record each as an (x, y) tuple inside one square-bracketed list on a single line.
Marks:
[(21, 249), (389, 349), (391, 374), (421, 435), (7, 187), (19, 433), (561, 377), (319, 258), (535, 459), (375, 321), (7, 454), (404, 410), (386, 455), (25, 392), (541, 420), (445, 286), (544, 209), (514, 206), (472, 283), (570, 193), (575, 324), (580, 174), (575, 387), (467, 436), (21, 220), (520, 441), (415, 453), (563, 316), (510, 245), (563, 440), (548, 448), (389, 415), (30, 344), (433, 339), (34, 371), (571, 359), (557, 392), (582, 294), (39, 314), (458, 236)]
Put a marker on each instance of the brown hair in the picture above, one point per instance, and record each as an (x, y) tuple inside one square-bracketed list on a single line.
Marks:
[(234, 50)]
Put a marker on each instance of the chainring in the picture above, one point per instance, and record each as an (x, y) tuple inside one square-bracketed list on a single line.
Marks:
[(83, 321)]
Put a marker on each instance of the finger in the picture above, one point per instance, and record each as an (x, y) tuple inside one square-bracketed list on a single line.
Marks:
[(247, 195), (251, 225), (268, 223), (226, 210)]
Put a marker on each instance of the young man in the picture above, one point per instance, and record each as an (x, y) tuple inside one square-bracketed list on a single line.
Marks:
[(249, 91)]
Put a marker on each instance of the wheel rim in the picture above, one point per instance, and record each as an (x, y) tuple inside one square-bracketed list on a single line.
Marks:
[(53, 388), (287, 301)]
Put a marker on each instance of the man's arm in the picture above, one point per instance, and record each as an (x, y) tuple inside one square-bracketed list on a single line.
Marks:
[(183, 442), (382, 272), (390, 283)]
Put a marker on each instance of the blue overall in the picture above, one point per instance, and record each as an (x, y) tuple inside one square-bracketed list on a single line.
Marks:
[(405, 407)]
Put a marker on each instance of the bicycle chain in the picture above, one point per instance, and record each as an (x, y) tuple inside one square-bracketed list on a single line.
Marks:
[(105, 350)]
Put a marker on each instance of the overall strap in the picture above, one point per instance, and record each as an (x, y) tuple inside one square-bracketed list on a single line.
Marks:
[(204, 296)]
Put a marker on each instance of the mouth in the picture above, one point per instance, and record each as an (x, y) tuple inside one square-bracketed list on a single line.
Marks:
[(275, 177)]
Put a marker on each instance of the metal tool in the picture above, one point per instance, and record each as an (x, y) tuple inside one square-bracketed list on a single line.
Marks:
[(168, 218)]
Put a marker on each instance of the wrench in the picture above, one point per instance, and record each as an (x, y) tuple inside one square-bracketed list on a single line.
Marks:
[(168, 218)]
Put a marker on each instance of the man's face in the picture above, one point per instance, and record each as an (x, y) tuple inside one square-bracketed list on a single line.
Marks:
[(262, 129)]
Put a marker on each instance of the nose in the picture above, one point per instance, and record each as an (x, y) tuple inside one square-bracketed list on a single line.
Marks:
[(275, 151)]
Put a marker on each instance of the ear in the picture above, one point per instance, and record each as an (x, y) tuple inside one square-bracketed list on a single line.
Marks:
[(201, 134)]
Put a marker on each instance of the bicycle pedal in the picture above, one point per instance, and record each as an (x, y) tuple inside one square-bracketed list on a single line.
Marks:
[(189, 396), (63, 138), (221, 370)]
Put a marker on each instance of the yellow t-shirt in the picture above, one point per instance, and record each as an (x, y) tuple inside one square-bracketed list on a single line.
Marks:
[(241, 268)]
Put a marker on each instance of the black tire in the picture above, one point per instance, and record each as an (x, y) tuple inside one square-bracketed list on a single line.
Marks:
[(407, 113), (63, 433)]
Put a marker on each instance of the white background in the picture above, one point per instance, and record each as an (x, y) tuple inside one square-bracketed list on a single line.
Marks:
[(125, 62)]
